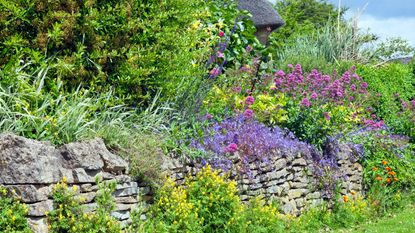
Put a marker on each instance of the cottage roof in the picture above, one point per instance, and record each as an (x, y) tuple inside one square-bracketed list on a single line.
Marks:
[(263, 13)]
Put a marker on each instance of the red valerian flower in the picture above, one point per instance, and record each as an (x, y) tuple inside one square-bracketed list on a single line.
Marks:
[(231, 148), (249, 100), (248, 113), (221, 34)]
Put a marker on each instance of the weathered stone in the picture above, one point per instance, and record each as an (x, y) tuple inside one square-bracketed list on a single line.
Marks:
[(26, 161), (90, 207), (85, 154), (278, 174), (126, 200), (86, 197), (296, 193), (81, 176), (274, 190), (290, 207), (38, 209), (122, 207), (30, 193), (299, 162), (121, 215), (297, 185), (86, 188), (280, 164), (38, 224)]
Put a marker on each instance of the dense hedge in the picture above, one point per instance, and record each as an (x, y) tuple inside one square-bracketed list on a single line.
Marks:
[(136, 47)]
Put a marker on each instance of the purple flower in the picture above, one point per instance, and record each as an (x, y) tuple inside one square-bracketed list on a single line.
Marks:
[(220, 54), (364, 85), (280, 73), (249, 100), (248, 113), (413, 103), (306, 103), (326, 116), (314, 95), (208, 116), (248, 49), (231, 148), (214, 72)]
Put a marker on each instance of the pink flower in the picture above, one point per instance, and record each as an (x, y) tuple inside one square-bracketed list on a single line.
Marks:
[(221, 34), (248, 113), (249, 100), (364, 85), (220, 54), (305, 102), (314, 95), (214, 72), (248, 49), (413, 103), (237, 89), (280, 73), (231, 148), (208, 116), (326, 116)]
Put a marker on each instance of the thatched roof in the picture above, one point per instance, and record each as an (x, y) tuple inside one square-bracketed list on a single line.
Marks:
[(263, 14)]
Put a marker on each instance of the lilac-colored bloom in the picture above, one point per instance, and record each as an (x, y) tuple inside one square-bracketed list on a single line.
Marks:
[(248, 49), (208, 116), (314, 95), (306, 103), (326, 116), (231, 148), (249, 100), (215, 72), (364, 85), (220, 54), (248, 113)]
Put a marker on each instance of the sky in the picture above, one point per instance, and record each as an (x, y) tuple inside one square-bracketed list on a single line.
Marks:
[(386, 18)]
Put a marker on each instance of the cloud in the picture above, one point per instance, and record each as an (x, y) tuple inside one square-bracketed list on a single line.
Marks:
[(390, 27)]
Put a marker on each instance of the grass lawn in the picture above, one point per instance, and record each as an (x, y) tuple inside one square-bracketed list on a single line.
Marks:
[(400, 222)]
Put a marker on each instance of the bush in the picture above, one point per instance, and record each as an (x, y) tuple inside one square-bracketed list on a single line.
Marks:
[(392, 86), (135, 47), (68, 215), (12, 214)]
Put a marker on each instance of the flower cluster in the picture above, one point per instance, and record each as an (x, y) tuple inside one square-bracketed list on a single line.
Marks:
[(384, 173), (316, 88), (250, 139)]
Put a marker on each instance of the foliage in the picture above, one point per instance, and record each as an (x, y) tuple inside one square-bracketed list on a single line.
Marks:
[(106, 44), (392, 87), (68, 215), (207, 203), (302, 18), (12, 213), (347, 211), (392, 48)]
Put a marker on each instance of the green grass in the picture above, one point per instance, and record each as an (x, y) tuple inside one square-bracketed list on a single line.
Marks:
[(401, 222)]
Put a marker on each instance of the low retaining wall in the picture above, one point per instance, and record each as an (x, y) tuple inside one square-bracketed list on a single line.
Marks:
[(292, 178), (31, 168)]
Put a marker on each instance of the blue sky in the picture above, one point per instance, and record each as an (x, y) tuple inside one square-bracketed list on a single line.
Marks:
[(386, 18)]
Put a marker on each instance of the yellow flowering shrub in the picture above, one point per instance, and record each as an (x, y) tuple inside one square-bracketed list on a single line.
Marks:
[(12, 214), (206, 202), (69, 216)]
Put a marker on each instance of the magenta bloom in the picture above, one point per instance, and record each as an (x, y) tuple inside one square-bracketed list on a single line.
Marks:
[(413, 103), (280, 73), (326, 116), (220, 54), (221, 34), (248, 49), (306, 103), (249, 100), (214, 72), (364, 85), (208, 116), (314, 95), (248, 113), (231, 148)]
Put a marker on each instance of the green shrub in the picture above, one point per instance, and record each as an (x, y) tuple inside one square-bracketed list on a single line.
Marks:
[(132, 46), (68, 215), (12, 214), (390, 85)]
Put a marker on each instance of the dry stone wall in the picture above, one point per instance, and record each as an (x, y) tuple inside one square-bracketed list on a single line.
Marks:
[(289, 178), (31, 168)]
